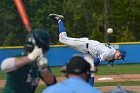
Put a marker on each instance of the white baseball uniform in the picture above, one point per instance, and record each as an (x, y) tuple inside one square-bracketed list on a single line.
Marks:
[(90, 49)]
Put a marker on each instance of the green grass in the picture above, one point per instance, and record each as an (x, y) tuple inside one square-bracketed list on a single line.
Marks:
[(40, 88), (119, 69), (105, 70), (102, 70), (57, 71), (1, 90), (2, 75), (122, 83)]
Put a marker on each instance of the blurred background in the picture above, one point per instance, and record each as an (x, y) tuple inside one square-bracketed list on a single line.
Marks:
[(83, 18)]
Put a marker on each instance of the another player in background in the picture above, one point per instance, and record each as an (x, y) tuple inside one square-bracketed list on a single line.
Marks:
[(77, 72), (93, 51), (25, 71)]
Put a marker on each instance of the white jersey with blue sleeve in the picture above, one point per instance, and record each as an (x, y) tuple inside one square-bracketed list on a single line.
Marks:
[(101, 50)]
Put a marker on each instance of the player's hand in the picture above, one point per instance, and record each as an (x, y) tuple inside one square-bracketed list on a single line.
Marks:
[(35, 53), (42, 62)]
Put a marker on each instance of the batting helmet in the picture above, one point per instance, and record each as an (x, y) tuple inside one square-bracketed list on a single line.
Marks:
[(40, 38)]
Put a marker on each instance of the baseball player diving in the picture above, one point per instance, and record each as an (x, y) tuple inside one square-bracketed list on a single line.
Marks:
[(93, 51)]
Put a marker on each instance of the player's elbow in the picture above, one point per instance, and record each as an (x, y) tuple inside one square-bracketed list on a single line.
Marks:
[(4, 68), (7, 65)]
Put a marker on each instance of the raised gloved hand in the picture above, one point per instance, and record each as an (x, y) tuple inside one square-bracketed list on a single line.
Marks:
[(37, 52), (42, 62)]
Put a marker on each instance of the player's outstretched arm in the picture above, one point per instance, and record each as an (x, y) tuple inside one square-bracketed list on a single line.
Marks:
[(11, 64)]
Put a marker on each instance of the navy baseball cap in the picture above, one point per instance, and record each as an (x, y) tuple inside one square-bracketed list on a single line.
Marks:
[(77, 65), (123, 53)]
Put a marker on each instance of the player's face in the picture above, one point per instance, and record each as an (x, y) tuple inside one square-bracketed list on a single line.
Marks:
[(118, 55)]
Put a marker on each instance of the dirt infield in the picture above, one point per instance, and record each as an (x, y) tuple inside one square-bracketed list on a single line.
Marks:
[(115, 78), (118, 78), (131, 89), (107, 78)]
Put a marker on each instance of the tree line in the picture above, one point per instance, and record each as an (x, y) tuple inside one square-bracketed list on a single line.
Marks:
[(83, 18)]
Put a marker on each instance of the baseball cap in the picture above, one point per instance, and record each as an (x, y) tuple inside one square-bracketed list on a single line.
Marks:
[(77, 65), (123, 53)]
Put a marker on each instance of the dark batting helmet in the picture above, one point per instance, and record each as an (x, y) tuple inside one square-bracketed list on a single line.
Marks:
[(40, 38)]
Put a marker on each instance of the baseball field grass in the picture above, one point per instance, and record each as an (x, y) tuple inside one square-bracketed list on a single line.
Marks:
[(109, 70), (102, 70), (105, 70)]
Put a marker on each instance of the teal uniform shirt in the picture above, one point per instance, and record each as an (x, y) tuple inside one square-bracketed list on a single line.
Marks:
[(23, 80), (72, 85)]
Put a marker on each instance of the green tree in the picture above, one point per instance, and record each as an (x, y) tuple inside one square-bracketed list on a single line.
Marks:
[(83, 18), (127, 36)]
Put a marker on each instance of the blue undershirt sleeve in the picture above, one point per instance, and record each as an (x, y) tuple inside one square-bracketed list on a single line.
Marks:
[(97, 61), (61, 26)]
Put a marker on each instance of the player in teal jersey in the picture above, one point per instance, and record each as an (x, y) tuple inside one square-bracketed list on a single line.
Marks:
[(77, 72), (24, 71)]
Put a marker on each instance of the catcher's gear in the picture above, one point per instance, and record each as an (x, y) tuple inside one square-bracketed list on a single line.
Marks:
[(39, 38)]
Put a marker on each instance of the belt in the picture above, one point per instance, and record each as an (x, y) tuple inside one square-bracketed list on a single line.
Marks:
[(87, 45)]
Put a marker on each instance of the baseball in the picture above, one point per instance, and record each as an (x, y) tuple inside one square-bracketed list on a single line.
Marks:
[(109, 30)]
